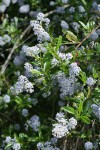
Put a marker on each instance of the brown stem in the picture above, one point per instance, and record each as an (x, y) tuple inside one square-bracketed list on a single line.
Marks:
[(87, 37)]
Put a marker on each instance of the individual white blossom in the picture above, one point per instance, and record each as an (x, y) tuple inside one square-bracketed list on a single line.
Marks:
[(90, 81), (6, 98), (88, 146), (24, 9)]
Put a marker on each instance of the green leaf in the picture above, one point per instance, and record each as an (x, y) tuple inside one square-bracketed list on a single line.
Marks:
[(34, 71), (83, 77), (80, 107), (22, 135), (83, 25), (71, 37), (68, 109), (95, 75), (59, 43), (32, 139), (85, 119), (84, 2)]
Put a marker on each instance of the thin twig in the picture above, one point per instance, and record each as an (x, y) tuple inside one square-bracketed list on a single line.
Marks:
[(87, 37), (2, 114), (13, 49), (65, 143), (54, 11), (77, 141)]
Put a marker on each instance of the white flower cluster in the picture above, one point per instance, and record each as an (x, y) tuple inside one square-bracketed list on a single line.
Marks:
[(72, 10), (42, 35), (34, 101), (96, 110), (28, 67), (68, 85), (90, 81), (88, 146), (94, 36), (52, 3), (5, 4), (64, 1), (64, 25), (25, 112), (74, 69), (5, 39), (13, 142), (63, 126), (6, 98), (48, 145), (30, 51), (19, 59), (60, 10), (81, 9), (54, 62), (24, 9), (66, 57), (75, 26), (22, 85), (96, 6), (17, 126), (34, 123)]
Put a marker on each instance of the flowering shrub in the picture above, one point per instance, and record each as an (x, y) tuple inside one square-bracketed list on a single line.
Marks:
[(49, 78)]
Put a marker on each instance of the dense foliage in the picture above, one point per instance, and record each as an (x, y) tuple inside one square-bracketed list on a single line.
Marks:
[(50, 75)]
